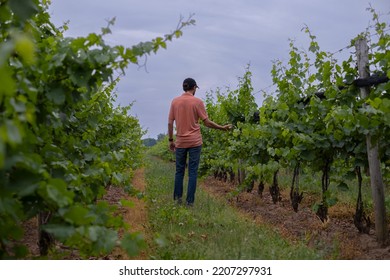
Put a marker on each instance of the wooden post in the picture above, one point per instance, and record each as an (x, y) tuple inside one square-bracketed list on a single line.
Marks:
[(374, 163)]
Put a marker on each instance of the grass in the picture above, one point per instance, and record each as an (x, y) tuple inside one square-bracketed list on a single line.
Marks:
[(210, 229)]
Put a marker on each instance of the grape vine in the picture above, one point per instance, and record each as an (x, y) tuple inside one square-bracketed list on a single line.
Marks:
[(316, 120), (62, 141)]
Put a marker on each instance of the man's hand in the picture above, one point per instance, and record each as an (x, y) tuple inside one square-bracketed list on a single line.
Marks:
[(211, 124), (172, 146), (227, 127)]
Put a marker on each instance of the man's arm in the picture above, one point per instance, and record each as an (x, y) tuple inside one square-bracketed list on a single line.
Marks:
[(170, 135), (170, 129), (211, 124)]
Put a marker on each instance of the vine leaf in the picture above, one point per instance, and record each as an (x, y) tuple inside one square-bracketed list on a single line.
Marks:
[(24, 9)]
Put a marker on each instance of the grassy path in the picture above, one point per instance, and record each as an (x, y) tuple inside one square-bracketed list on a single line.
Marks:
[(209, 230)]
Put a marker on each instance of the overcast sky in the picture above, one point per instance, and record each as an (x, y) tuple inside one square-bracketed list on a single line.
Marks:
[(227, 36)]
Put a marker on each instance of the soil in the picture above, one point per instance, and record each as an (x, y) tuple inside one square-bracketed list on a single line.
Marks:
[(337, 238), (135, 216)]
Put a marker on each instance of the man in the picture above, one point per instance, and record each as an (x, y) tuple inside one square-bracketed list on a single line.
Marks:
[(186, 110)]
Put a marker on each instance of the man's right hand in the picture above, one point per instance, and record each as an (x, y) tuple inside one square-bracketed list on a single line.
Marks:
[(172, 146)]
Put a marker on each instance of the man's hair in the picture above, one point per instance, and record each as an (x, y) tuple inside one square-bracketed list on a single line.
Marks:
[(189, 84)]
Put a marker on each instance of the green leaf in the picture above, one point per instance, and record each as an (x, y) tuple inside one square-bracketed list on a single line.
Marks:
[(24, 182), (343, 187), (56, 95), (25, 47), (58, 59), (78, 215), (375, 103), (331, 201), (55, 191), (31, 162), (11, 206), (104, 240), (106, 30), (6, 49), (11, 132), (10, 226), (102, 58), (24, 9), (117, 178), (2, 152), (20, 251), (178, 33), (18, 106), (350, 175), (8, 86), (133, 243), (61, 231), (315, 207), (385, 108), (308, 155)]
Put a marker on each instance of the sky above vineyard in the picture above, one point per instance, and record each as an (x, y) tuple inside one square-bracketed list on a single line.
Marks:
[(228, 35)]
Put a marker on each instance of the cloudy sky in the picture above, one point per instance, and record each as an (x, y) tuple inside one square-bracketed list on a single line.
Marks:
[(228, 35)]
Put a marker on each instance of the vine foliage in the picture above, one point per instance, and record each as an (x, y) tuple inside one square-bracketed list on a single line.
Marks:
[(315, 122), (62, 141)]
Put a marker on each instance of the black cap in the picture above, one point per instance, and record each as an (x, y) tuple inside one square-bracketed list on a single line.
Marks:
[(189, 84)]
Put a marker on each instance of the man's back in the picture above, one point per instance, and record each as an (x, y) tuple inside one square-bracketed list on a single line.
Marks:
[(186, 110)]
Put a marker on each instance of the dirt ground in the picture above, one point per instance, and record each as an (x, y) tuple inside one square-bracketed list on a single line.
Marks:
[(135, 216), (338, 238)]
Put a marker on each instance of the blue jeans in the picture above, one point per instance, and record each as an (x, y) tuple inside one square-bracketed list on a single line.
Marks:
[(193, 164)]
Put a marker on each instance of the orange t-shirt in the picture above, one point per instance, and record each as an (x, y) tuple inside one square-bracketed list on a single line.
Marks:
[(186, 110)]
